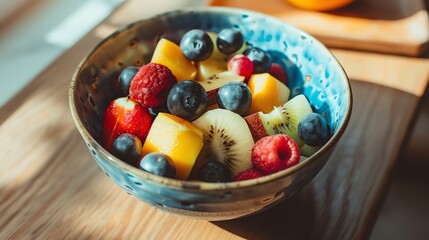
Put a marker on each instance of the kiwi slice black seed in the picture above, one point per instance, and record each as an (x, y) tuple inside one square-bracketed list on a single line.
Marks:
[(227, 139), (285, 119)]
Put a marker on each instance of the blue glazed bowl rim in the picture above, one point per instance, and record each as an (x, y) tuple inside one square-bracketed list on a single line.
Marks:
[(201, 186)]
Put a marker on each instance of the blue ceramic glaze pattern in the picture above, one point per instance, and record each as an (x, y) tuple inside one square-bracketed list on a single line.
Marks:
[(312, 71)]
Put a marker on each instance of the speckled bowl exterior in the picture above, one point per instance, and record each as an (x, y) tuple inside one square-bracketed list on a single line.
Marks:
[(312, 69)]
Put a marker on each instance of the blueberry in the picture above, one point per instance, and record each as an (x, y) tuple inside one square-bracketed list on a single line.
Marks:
[(214, 171), (125, 78), (160, 108), (235, 96), (313, 130), (159, 164), (229, 41), (196, 45), (261, 59), (128, 148), (187, 99)]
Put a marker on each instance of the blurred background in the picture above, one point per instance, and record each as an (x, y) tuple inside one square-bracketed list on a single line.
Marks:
[(32, 35)]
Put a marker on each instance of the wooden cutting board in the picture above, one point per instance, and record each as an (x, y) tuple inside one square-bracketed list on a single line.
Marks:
[(394, 26)]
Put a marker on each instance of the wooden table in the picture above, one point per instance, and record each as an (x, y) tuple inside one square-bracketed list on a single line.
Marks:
[(51, 188)]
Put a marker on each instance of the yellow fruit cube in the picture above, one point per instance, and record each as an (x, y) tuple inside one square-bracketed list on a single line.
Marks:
[(267, 92), (169, 54), (178, 138)]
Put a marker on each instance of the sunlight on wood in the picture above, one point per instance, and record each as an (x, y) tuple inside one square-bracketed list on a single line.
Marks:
[(20, 162), (148, 8), (389, 71)]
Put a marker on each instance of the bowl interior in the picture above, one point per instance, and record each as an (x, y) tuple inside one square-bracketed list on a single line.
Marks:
[(312, 69)]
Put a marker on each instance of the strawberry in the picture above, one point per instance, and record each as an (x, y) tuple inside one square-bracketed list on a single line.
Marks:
[(274, 153), (278, 72), (151, 84), (124, 115), (248, 174)]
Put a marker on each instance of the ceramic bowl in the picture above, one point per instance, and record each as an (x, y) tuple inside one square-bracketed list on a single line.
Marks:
[(312, 70)]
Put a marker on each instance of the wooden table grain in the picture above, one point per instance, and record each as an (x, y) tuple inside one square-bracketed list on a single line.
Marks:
[(51, 188)]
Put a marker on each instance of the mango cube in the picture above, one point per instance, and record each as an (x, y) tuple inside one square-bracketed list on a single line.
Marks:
[(169, 54), (178, 138), (267, 92)]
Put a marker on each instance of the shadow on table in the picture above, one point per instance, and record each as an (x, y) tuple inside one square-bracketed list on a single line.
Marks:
[(288, 220), (35, 199), (343, 200)]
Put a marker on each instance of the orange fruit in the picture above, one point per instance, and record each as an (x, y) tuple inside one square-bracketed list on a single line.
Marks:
[(319, 5)]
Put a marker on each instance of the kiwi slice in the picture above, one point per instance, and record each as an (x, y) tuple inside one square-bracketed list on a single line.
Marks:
[(218, 80), (227, 139), (285, 119), (307, 150), (208, 70)]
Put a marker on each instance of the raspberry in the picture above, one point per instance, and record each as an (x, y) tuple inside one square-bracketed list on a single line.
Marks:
[(151, 84), (248, 174), (274, 153)]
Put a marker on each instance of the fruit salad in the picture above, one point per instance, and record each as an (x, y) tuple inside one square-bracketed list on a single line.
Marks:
[(212, 108)]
